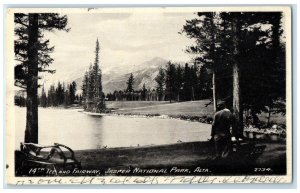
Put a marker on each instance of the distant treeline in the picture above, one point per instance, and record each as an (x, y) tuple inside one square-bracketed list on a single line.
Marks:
[(173, 83), (136, 95), (188, 83), (61, 95)]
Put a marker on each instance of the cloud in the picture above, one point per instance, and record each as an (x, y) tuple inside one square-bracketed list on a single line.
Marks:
[(126, 39)]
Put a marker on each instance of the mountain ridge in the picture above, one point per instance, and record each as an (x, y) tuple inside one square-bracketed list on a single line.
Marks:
[(115, 79)]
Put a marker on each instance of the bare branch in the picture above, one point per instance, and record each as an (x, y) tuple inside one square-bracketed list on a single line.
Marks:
[(18, 21)]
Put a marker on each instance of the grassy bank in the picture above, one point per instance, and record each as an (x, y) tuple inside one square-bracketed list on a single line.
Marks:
[(190, 110)]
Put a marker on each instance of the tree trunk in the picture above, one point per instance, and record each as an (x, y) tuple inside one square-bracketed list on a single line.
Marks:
[(237, 105), (214, 91), (31, 131), (237, 101), (213, 47), (193, 94)]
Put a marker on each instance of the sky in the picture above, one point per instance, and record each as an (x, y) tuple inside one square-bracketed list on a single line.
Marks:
[(126, 39)]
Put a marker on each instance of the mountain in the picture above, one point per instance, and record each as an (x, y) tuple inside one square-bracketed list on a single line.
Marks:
[(115, 79)]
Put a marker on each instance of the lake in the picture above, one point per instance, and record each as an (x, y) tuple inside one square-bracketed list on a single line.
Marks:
[(79, 130)]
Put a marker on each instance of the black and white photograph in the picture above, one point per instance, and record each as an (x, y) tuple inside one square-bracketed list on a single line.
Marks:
[(161, 95)]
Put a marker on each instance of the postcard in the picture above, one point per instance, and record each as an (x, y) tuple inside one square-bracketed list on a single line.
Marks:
[(152, 95)]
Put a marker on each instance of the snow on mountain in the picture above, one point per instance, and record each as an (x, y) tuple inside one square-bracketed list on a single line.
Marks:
[(115, 79)]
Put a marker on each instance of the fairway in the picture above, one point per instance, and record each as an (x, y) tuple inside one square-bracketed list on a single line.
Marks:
[(190, 108), (176, 109)]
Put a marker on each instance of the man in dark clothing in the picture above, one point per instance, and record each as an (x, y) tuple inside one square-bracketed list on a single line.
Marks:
[(220, 132)]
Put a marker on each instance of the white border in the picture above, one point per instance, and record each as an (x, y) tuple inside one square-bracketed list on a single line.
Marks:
[(155, 2)]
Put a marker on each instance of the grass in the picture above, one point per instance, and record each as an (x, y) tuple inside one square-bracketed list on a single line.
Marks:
[(190, 108), (132, 104), (277, 118), (184, 110), (182, 155)]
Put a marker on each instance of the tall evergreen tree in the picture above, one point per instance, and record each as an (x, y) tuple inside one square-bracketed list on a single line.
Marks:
[(52, 96), (248, 82), (187, 83), (194, 81), (43, 100), (179, 82), (72, 92), (67, 100), (170, 81), (93, 96), (143, 92), (91, 86), (32, 56), (205, 84), (160, 84), (130, 83), (205, 30), (96, 73), (253, 77), (60, 93), (237, 100), (84, 89)]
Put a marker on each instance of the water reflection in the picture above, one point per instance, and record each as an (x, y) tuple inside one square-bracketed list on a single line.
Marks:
[(81, 131)]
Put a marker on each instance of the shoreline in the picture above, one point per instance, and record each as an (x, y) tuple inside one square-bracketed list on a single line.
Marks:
[(200, 119), (195, 111)]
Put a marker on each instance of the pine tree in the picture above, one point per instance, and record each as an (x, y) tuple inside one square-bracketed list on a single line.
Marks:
[(43, 100), (72, 92), (32, 54), (84, 89), (92, 94), (52, 96), (130, 83), (194, 81), (160, 84), (67, 100), (99, 96), (253, 77), (204, 80), (206, 31), (91, 85), (237, 100), (240, 78), (179, 82), (143, 92), (277, 80), (60, 93), (97, 73), (187, 85), (170, 81)]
